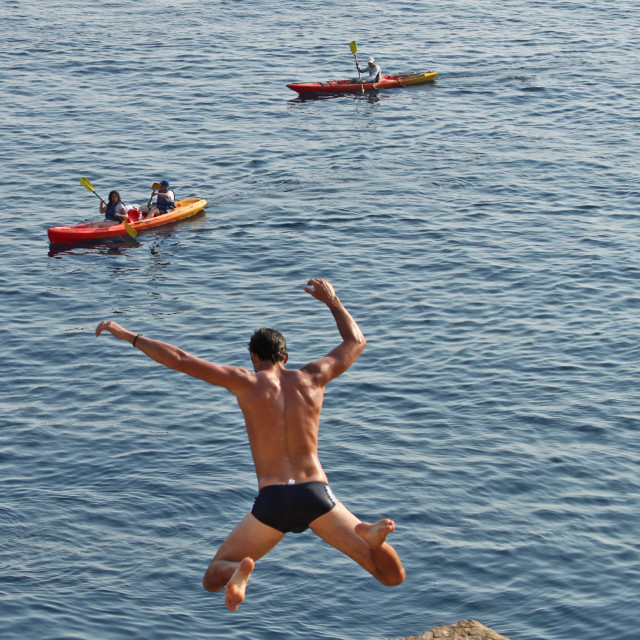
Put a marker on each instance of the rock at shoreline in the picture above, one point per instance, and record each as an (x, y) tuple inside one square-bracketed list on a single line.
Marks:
[(463, 630)]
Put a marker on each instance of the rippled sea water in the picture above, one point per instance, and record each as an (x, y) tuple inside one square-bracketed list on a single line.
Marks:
[(482, 229)]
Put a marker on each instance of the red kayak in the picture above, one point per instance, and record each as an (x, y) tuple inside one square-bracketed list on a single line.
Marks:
[(348, 86), (81, 232)]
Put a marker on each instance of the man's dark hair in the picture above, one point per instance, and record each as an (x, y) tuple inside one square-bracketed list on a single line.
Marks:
[(269, 345)]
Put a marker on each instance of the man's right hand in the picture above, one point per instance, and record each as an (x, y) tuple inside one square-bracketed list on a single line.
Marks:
[(322, 290)]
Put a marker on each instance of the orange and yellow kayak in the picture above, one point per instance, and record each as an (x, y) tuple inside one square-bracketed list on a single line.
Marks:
[(81, 232), (348, 86)]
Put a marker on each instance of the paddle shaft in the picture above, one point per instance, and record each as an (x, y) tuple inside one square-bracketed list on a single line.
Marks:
[(96, 195), (354, 49)]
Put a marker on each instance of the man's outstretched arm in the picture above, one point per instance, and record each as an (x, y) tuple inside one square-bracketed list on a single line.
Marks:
[(339, 359), (234, 379)]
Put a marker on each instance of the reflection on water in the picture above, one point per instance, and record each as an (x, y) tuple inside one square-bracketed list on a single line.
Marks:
[(369, 96), (104, 246)]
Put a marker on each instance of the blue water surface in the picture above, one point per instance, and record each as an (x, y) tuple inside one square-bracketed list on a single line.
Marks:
[(482, 229)]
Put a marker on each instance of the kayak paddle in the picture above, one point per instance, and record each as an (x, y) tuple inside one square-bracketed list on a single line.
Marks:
[(354, 49), (154, 187), (86, 183), (130, 230)]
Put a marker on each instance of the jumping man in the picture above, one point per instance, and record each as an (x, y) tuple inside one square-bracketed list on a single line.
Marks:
[(281, 408)]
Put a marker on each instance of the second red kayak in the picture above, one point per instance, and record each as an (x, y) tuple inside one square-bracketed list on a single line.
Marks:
[(348, 86)]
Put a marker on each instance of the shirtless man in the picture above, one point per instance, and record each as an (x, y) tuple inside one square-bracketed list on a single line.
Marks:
[(281, 409)]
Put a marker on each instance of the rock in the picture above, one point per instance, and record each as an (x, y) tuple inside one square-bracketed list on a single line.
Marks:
[(463, 630)]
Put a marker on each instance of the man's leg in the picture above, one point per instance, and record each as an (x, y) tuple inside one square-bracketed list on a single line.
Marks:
[(363, 542), (233, 563)]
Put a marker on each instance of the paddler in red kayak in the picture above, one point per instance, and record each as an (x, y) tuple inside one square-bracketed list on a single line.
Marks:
[(281, 409), (374, 71), (114, 211)]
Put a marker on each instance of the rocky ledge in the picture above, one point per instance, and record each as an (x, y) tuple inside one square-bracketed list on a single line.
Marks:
[(463, 630)]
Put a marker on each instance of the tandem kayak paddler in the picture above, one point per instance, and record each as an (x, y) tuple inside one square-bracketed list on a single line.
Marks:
[(84, 232), (349, 86)]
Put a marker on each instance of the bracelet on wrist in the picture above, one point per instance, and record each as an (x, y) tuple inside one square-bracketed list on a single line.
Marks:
[(133, 344)]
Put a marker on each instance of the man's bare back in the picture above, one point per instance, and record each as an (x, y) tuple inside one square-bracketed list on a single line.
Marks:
[(281, 408), (282, 411)]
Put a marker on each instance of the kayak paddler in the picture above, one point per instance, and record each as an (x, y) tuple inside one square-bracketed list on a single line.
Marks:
[(114, 211), (165, 201), (374, 71)]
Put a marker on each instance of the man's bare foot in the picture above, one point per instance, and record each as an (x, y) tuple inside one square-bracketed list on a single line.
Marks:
[(386, 564), (234, 591), (375, 534)]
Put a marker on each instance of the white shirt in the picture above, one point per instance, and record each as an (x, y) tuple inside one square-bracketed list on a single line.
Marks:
[(375, 73)]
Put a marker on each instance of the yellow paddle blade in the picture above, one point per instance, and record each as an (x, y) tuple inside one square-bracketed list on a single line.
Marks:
[(354, 47), (130, 230), (154, 187), (86, 183)]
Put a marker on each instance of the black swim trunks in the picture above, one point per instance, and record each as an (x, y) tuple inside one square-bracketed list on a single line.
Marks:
[(292, 507)]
